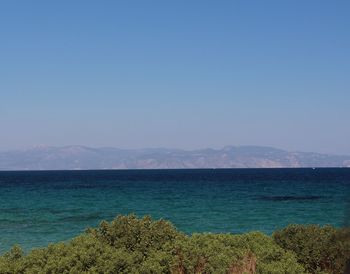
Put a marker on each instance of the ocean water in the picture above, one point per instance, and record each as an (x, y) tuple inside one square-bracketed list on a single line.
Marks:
[(39, 207)]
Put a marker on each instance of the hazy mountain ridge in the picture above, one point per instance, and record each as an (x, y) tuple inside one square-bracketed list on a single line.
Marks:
[(81, 157)]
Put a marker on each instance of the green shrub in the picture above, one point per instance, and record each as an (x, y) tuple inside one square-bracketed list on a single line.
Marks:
[(319, 249), (133, 234), (132, 245), (227, 253), (126, 245)]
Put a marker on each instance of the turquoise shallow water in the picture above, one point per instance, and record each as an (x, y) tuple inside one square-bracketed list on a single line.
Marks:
[(37, 208)]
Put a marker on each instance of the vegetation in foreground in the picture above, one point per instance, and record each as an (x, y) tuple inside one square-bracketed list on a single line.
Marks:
[(132, 245)]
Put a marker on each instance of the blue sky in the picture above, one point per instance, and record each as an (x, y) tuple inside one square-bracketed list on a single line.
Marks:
[(178, 74)]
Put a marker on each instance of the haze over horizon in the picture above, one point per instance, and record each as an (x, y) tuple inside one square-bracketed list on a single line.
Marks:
[(176, 75), (43, 146), (87, 158)]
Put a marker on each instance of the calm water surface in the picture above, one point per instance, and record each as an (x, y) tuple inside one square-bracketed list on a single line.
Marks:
[(37, 208)]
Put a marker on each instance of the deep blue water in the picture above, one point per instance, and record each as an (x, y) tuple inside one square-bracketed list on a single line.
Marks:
[(37, 208)]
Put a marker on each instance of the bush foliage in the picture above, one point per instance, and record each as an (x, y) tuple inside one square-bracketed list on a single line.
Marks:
[(132, 245), (319, 249)]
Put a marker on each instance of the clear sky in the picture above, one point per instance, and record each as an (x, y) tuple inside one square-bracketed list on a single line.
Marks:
[(177, 74)]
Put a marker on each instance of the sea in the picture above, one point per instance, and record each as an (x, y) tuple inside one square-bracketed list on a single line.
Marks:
[(42, 207)]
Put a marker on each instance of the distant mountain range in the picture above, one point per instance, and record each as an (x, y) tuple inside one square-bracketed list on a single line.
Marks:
[(81, 157)]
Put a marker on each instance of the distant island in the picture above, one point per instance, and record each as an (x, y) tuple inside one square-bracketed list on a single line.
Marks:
[(81, 158)]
